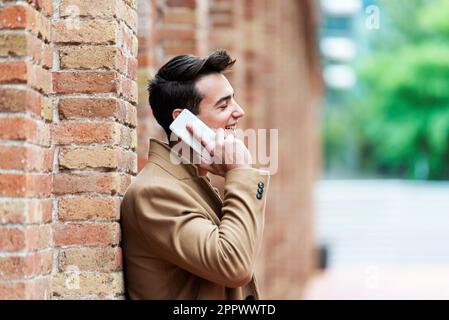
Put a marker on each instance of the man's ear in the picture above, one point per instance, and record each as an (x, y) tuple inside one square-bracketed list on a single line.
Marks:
[(175, 113)]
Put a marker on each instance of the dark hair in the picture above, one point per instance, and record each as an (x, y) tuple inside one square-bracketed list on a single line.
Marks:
[(173, 86)]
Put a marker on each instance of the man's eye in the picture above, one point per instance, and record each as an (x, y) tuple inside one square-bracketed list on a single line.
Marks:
[(224, 107)]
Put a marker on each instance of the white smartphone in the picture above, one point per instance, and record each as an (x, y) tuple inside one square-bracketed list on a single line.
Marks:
[(178, 127)]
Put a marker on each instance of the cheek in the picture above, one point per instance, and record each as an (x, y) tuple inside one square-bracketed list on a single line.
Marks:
[(217, 119)]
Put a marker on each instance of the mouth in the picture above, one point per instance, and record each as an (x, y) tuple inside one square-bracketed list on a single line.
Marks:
[(231, 127)]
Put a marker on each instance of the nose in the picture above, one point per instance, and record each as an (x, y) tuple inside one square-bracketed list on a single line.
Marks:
[(238, 112)]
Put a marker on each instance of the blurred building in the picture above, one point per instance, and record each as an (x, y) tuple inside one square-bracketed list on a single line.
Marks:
[(75, 124)]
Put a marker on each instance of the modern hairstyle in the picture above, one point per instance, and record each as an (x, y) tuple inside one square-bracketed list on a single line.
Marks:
[(173, 86)]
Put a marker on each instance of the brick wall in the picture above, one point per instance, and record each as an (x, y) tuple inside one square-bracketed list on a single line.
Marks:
[(26, 153), (75, 124), (68, 116)]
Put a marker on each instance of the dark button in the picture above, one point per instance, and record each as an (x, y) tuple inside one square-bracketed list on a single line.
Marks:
[(250, 297), (259, 196), (260, 190), (260, 184)]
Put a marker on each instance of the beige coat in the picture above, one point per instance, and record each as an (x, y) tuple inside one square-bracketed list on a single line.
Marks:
[(182, 241)]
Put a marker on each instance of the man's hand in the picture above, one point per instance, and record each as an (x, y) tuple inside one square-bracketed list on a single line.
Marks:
[(227, 152)]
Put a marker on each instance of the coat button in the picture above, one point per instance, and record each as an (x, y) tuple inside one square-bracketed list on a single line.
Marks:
[(260, 184), (250, 297), (259, 196)]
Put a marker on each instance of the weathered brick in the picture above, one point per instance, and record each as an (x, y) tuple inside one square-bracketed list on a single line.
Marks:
[(46, 6), (85, 81), (88, 208), (32, 289), (86, 133), (84, 8), (13, 44), (40, 78), (88, 234), (25, 211), (88, 157), (87, 285), (88, 31), (180, 17), (127, 89), (47, 109), (106, 183), (12, 239), (172, 48), (22, 267), (182, 3), (30, 238), (41, 53), (102, 259), (97, 108), (27, 157), (24, 128), (88, 57), (20, 100), (127, 15), (13, 17), (175, 33), (13, 72), (17, 184)]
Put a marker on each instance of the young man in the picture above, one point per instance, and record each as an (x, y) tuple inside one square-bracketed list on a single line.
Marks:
[(180, 239)]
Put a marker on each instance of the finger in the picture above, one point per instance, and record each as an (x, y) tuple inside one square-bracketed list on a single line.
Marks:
[(197, 135)]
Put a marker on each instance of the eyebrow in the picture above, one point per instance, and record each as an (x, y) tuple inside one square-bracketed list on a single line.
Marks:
[(223, 99)]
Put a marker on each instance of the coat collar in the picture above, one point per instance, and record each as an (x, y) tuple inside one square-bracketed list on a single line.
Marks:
[(161, 153)]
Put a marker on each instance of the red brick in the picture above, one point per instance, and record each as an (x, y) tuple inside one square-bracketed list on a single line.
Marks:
[(13, 17), (127, 15), (127, 89), (24, 211), (36, 289), (40, 79), (42, 53), (182, 3), (16, 184), (13, 72), (24, 128), (92, 234), (84, 82), (187, 17), (38, 237), (102, 8), (132, 67), (88, 208), (22, 267), (28, 158), (30, 238), (103, 183), (177, 34), (12, 238), (86, 133), (46, 6)]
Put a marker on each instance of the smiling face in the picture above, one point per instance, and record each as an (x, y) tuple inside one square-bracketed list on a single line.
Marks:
[(218, 108)]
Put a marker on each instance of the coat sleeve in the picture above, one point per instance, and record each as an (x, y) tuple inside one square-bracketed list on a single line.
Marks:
[(177, 231)]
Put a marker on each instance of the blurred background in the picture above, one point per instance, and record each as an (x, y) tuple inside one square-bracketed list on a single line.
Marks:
[(382, 203), (357, 90)]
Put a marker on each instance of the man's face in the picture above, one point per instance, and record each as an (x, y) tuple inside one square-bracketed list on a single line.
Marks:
[(218, 109)]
